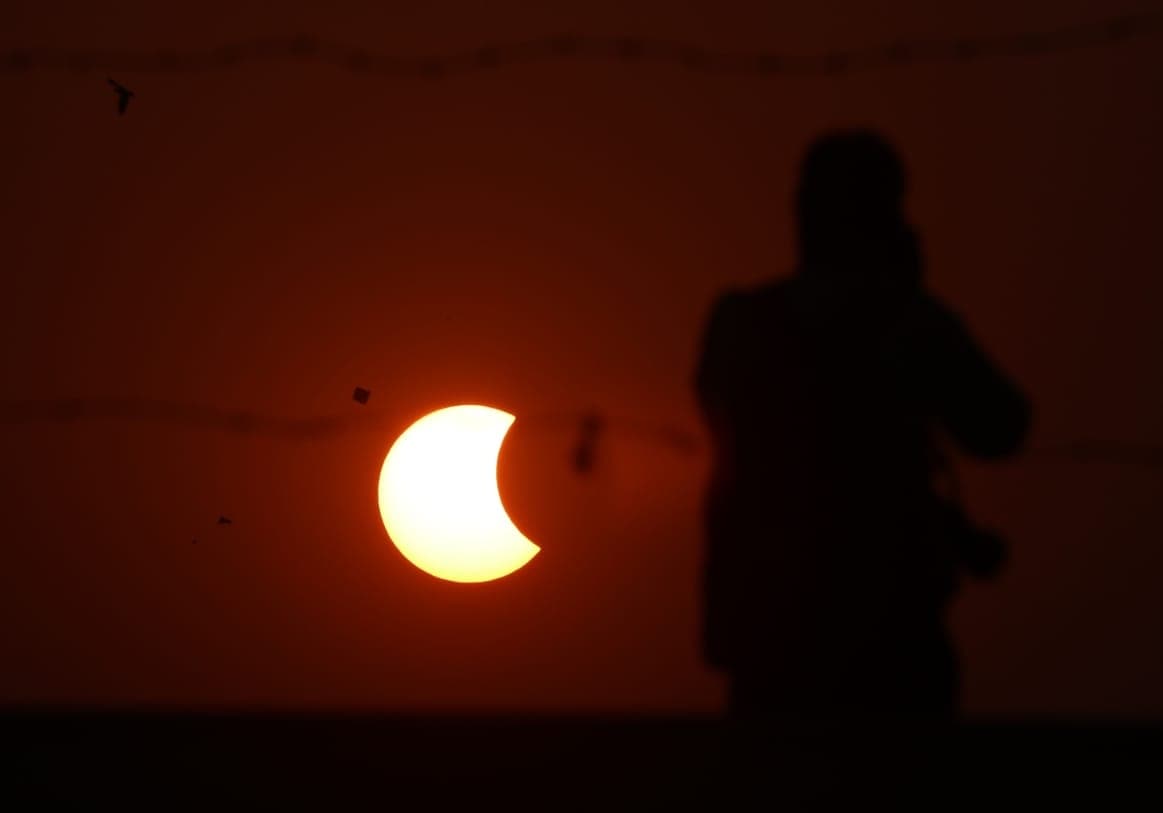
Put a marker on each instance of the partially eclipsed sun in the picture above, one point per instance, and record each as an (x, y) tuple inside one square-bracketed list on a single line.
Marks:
[(439, 498)]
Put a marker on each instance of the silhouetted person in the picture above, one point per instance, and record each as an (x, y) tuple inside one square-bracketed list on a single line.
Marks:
[(832, 554)]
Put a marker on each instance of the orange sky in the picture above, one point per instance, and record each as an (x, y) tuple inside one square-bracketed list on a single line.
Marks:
[(540, 238)]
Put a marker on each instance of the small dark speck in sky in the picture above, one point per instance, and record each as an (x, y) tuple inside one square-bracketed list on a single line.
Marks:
[(124, 94)]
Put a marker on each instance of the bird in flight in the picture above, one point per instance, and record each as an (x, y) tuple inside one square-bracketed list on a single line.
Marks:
[(224, 521), (124, 94)]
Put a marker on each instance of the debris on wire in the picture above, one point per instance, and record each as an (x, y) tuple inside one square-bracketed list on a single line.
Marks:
[(124, 94), (585, 453)]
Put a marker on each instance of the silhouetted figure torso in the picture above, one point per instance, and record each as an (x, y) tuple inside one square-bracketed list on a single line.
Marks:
[(830, 561)]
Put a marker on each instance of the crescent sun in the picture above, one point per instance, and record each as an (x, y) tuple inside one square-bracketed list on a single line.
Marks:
[(439, 498)]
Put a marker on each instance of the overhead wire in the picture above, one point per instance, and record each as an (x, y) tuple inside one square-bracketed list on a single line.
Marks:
[(626, 49)]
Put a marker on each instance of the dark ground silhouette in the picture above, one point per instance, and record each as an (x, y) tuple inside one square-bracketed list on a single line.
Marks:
[(304, 761), (833, 547)]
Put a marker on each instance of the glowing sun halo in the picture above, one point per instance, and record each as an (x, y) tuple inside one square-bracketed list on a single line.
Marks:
[(439, 499)]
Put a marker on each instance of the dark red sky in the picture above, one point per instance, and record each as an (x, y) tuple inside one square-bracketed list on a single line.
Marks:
[(539, 238)]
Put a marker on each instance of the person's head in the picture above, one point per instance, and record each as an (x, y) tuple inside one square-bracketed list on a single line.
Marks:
[(850, 200)]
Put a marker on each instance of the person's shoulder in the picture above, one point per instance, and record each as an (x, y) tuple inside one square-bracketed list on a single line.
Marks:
[(727, 308), (777, 288), (936, 313), (739, 299)]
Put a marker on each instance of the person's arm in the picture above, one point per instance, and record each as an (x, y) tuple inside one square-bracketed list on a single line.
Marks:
[(719, 377), (712, 381), (982, 409), (712, 374)]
